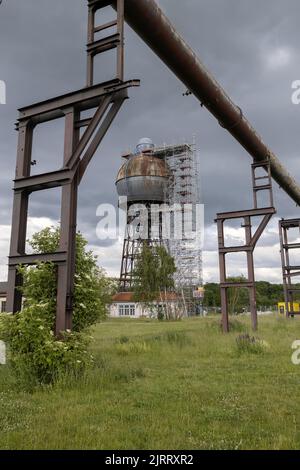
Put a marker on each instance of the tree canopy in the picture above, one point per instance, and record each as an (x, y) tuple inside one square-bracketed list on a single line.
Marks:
[(267, 294)]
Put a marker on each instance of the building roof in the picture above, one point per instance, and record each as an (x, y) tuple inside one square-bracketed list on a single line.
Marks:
[(3, 288), (128, 297), (123, 297)]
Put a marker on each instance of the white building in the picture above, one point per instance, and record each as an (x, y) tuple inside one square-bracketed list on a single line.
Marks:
[(123, 305), (3, 290)]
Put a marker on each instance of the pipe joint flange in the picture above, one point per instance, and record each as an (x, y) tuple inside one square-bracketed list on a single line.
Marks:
[(233, 126)]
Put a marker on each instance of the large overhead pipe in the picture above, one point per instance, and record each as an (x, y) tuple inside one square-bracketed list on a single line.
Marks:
[(148, 20)]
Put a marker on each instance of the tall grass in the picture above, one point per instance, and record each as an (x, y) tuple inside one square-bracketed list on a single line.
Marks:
[(165, 385)]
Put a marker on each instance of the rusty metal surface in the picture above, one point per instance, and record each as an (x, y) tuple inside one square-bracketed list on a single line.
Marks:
[(84, 99), (113, 40), (151, 24), (289, 272), (143, 178), (251, 240), (108, 97), (143, 165)]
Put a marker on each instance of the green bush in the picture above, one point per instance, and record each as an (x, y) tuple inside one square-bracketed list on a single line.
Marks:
[(92, 290), (35, 354)]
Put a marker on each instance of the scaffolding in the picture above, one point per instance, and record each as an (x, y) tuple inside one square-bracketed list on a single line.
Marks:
[(182, 197)]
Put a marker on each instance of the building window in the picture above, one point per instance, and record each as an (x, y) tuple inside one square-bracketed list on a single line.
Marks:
[(132, 310), (3, 306), (127, 310)]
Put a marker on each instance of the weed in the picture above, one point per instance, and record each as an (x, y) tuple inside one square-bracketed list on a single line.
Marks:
[(179, 338), (250, 345), (123, 339), (134, 347)]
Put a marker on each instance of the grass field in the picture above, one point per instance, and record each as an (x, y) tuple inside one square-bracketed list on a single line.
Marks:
[(159, 385)]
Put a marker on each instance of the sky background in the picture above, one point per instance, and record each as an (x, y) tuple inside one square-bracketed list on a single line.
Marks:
[(252, 48)]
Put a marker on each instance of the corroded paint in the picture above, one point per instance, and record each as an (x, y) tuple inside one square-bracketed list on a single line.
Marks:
[(143, 165)]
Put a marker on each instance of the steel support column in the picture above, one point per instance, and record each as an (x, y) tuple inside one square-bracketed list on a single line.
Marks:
[(289, 271), (67, 243), (19, 216), (107, 98), (250, 243)]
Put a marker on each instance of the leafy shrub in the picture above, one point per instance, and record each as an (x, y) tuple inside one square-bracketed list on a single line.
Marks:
[(36, 355), (250, 345), (92, 290)]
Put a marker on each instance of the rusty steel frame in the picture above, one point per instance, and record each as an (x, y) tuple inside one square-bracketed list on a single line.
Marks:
[(148, 20), (288, 271), (251, 240), (112, 41), (132, 245), (131, 249), (107, 98)]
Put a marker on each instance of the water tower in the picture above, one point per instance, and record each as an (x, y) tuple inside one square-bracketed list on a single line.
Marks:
[(142, 179)]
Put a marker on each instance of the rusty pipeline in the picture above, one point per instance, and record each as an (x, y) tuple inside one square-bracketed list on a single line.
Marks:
[(148, 20)]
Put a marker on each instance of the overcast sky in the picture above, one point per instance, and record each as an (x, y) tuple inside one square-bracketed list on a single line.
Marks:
[(252, 48)]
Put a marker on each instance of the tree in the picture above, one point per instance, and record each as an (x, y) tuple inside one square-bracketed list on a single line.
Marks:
[(212, 296), (267, 295), (153, 275), (238, 297), (92, 289), (36, 355)]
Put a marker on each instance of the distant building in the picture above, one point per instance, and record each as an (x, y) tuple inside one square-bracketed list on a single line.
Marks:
[(3, 293), (123, 305)]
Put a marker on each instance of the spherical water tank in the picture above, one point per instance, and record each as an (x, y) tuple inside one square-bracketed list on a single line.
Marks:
[(143, 177)]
